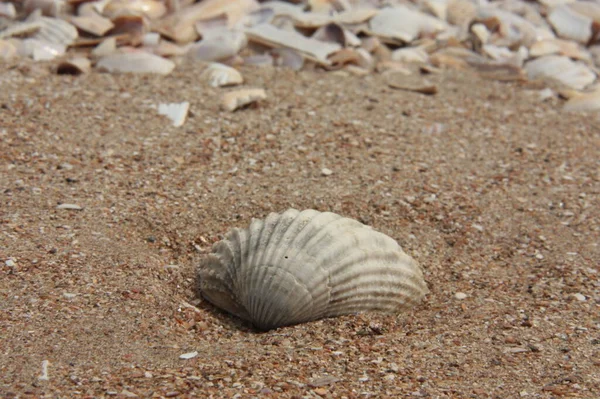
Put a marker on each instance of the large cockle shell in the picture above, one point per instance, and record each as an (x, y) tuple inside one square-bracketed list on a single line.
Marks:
[(297, 266)]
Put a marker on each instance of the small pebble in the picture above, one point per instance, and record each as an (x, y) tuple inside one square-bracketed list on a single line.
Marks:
[(10, 263), (326, 172), (189, 355), (70, 207), (69, 295), (460, 295), (580, 297), (128, 394)]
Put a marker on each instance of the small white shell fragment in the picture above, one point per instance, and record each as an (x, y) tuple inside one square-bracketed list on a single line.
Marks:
[(218, 44), (135, 62), (7, 50), (189, 355), (56, 31), (562, 70), (10, 263), (239, 98), (151, 39), (561, 47), (411, 55), (313, 49), (570, 24), (300, 266), (176, 112), (8, 10), (44, 376), (74, 66), (460, 296), (21, 29), (326, 172), (69, 295), (580, 297), (220, 75), (584, 102), (70, 207), (482, 33), (401, 24), (106, 47)]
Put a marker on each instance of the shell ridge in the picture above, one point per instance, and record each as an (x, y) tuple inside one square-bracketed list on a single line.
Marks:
[(286, 219)]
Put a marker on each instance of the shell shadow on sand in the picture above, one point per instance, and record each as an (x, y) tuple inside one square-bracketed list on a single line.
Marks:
[(301, 266)]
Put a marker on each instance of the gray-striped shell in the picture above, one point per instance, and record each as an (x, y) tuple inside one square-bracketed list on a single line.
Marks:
[(297, 266)]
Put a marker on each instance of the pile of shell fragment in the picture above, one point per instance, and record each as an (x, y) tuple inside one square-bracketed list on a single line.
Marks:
[(556, 42)]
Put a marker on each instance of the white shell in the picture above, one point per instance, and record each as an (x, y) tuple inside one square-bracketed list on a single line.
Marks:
[(220, 75), (571, 25), (297, 266)]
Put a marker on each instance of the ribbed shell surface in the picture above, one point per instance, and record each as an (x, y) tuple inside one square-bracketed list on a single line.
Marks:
[(297, 266)]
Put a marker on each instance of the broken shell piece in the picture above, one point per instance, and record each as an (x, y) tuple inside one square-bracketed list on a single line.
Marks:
[(50, 8), (240, 98), (8, 10), (135, 62), (561, 47), (582, 102), (56, 31), (312, 49), (40, 50), (94, 24), (150, 8), (410, 55), (561, 70), (400, 24), (288, 58), (7, 50), (413, 83), (176, 112), (74, 66), (220, 75), (296, 267), (106, 47), (218, 44), (570, 24)]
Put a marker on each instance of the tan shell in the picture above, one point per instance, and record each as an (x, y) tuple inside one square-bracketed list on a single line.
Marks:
[(297, 266)]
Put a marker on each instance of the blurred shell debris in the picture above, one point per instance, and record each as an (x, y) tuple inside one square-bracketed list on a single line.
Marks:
[(555, 42)]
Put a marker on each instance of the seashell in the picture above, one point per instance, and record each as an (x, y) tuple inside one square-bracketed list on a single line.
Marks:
[(7, 50), (150, 8), (296, 267), (461, 12), (74, 66), (8, 10), (218, 44), (240, 98), (400, 24), (180, 26), (135, 62), (560, 47), (106, 47), (288, 58), (571, 25), (49, 8), (270, 36), (94, 24), (176, 112), (334, 33), (220, 75), (410, 55), (41, 50), (438, 8), (583, 102), (561, 70)]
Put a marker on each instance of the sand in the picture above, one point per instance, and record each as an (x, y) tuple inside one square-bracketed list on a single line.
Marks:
[(493, 191)]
